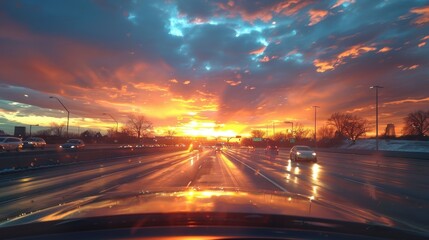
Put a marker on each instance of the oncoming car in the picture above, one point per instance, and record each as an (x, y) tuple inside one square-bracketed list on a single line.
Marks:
[(272, 149), (73, 144), (10, 143), (218, 147), (303, 153)]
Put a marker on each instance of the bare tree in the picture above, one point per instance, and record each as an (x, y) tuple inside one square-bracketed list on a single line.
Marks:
[(170, 133), (56, 129), (279, 136), (43, 132), (339, 120), (326, 132), (349, 125), (138, 125), (111, 132), (258, 133), (126, 131), (300, 132), (356, 127), (417, 123)]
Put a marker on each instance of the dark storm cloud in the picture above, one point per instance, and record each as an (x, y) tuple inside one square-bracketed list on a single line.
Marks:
[(202, 9), (218, 44)]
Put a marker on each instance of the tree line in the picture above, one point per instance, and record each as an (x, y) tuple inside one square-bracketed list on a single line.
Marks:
[(341, 126)]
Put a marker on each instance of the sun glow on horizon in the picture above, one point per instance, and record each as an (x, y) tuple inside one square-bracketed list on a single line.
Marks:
[(206, 129)]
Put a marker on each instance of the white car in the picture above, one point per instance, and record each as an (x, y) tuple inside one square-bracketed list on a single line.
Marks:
[(10, 143), (305, 153)]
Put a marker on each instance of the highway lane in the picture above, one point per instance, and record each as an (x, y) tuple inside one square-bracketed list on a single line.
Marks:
[(392, 188)]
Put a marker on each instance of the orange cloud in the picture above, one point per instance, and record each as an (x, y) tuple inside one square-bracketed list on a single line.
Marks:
[(316, 16), (233, 83), (353, 52), (340, 2), (407, 101), (290, 7), (323, 66), (258, 51), (404, 68), (265, 14), (385, 49), (424, 12), (265, 59)]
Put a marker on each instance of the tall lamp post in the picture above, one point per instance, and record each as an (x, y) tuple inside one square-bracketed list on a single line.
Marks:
[(32, 126), (113, 120), (68, 113), (315, 129), (376, 114)]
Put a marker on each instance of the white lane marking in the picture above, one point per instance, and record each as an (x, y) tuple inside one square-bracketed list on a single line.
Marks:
[(262, 175), (117, 185), (189, 184), (363, 183)]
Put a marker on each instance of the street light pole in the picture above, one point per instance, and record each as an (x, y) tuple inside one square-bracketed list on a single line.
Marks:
[(32, 126), (315, 129), (68, 114), (376, 115), (113, 120)]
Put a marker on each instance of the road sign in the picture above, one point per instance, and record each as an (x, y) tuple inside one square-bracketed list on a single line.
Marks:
[(257, 139), (292, 140)]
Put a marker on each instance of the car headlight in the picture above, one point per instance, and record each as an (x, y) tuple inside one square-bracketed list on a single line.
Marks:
[(314, 154), (72, 146), (298, 153)]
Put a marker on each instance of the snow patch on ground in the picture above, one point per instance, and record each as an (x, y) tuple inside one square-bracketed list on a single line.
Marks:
[(388, 145)]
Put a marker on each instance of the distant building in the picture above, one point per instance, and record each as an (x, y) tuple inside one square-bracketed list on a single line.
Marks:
[(19, 132), (390, 130)]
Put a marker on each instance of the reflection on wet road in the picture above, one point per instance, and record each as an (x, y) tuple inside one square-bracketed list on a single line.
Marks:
[(391, 188)]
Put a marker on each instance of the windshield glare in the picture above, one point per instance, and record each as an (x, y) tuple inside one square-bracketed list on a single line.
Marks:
[(316, 109)]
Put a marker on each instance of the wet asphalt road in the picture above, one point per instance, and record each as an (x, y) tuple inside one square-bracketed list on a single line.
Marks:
[(389, 188)]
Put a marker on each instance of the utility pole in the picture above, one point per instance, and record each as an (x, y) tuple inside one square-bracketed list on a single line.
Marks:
[(315, 128), (376, 115), (68, 114), (32, 126), (113, 120)]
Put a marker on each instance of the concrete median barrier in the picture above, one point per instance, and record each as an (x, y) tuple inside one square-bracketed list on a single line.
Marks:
[(33, 159)]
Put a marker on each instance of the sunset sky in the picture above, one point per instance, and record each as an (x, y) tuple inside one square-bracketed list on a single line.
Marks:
[(211, 67)]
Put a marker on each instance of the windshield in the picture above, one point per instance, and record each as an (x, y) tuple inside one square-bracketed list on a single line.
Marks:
[(206, 99)]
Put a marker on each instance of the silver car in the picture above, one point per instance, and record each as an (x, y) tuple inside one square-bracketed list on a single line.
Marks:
[(34, 142), (303, 153), (10, 143)]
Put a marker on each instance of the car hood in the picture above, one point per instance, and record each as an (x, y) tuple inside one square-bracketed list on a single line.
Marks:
[(200, 200)]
